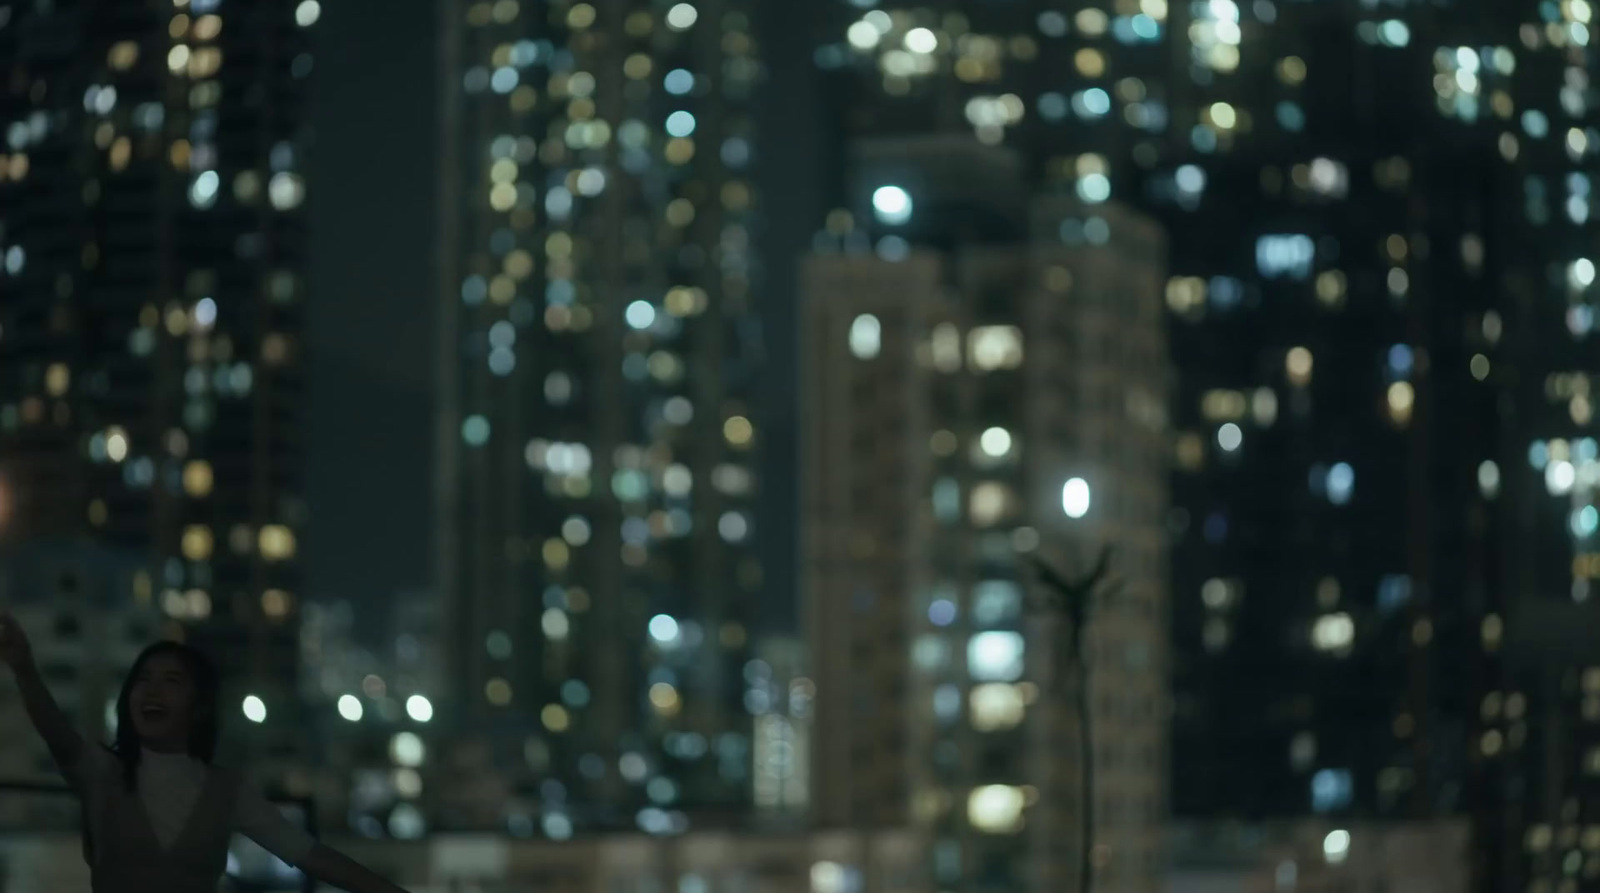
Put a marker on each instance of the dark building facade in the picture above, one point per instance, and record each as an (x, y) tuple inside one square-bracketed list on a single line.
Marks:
[(598, 433)]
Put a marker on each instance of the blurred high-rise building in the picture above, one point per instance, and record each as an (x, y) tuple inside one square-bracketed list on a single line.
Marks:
[(1381, 262), (1382, 255), (971, 397), (152, 224), (599, 346)]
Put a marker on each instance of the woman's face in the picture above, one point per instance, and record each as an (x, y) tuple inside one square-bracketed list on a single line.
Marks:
[(162, 702)]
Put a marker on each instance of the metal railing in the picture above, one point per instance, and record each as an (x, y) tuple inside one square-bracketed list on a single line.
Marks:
[(243, 884)]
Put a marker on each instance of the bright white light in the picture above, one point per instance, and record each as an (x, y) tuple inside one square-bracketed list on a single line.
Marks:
[(1394, 33), (1094, 102), (641, 314), (679, 81), (1229, 437), (1336, 846), (1094, 188), (203, 192), (1223, 115), (682, 17), (921, 40), (406, 749), (1190, 179), (863, 35), (664, 629), (555, 624), (591, 182), (307, 13), (350, 708), (995, 442), (116, 445), (1489, 478), (733, 527), (1341, 481), (995, 808), (1559, 477), (996, 706), (1075, 498), (680, 123), (866, 336), (205, 313), (286, 190), (419, 708), (995, 656), (1333, 632), (1582, 272), (892, 204), (255, 709), (828, 877)]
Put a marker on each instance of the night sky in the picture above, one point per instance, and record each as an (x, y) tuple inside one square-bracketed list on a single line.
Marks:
[(372, 283)]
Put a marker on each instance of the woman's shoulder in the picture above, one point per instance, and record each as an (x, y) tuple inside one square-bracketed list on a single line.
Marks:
[(99, 758), (96, 765)]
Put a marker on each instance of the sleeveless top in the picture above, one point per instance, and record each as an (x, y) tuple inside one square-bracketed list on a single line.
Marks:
[(171, 834), (127, 857)]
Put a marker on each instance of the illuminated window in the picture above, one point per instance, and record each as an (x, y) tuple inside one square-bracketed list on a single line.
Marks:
[(498, 692), (276, 604), (995, 656), (1291, 70), (276, 542), (996, 602), (197, 542), (996, 809), (946, 347), (1230, 437), (1336, 847), (1285, 256), (990, 503), (866, 334), (738, 431), (1298, 364), (682, 17), (892, 205), (406, 749), (123, 55), (996, 706), (990, 348), (307, 13), (1331, 790), (1334, 633), (1401, 398), (286, 191)]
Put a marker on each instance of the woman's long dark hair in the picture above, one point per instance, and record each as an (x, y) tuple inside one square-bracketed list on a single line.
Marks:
[(203, 718)]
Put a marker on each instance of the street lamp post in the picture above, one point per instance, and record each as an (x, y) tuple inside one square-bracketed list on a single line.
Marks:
[(1075, 600)]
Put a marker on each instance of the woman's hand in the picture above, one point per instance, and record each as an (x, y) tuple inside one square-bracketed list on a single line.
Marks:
[(15, 651)]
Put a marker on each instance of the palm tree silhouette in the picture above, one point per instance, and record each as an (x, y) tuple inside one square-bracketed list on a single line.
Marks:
[(1075, 600)]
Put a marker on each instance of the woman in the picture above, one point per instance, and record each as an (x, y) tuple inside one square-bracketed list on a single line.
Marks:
[(158, 813)]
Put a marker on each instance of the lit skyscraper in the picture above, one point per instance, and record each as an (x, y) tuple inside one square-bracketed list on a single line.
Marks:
[(1335, 254), (151, 218), (1381, 266), (967, 405), (598, 352), (1388, 256)]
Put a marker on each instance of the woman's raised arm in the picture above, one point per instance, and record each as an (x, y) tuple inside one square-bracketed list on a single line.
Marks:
[(58, 732)]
